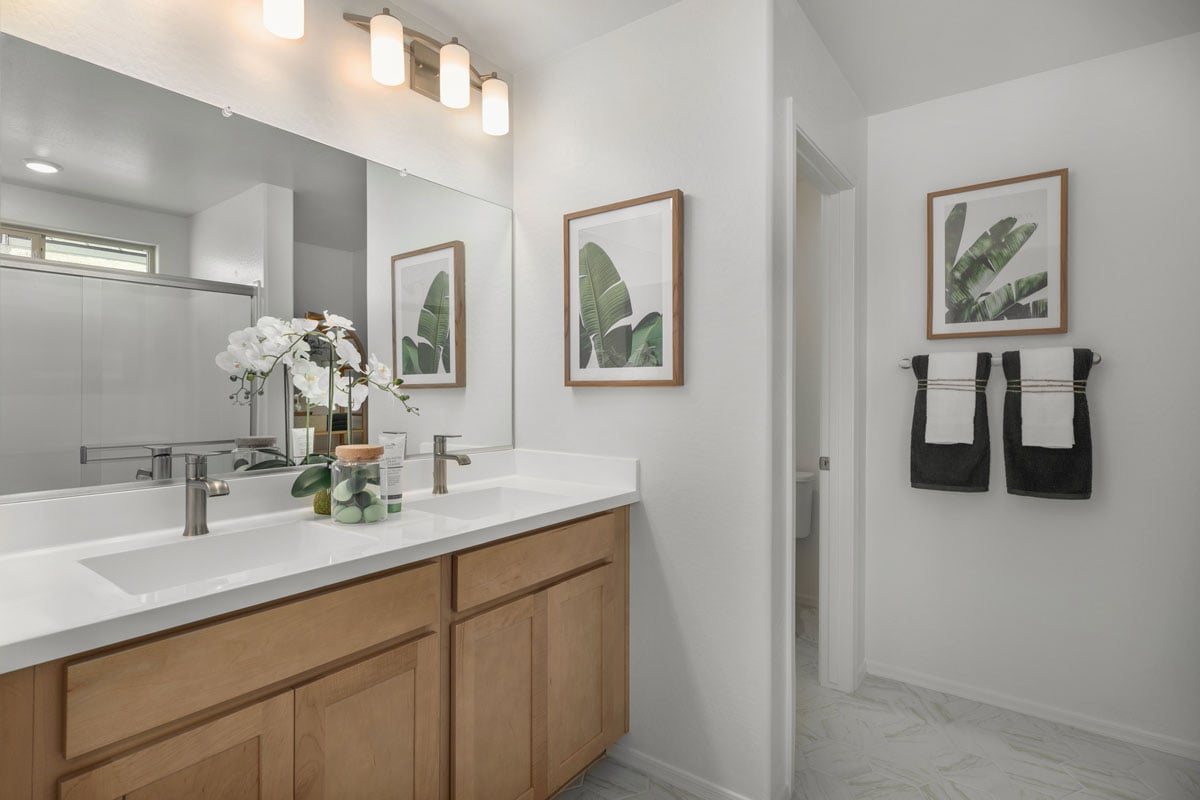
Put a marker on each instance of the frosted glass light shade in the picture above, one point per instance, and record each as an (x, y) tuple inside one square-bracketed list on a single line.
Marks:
[(387, 50), (284, 18), (495, 107), (455, 70)]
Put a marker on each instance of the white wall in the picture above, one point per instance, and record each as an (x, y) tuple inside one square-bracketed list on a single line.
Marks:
[(637, 111), (71, 214), (325, 278), (1083, 610), (319, 87), (406, 213), (248, 239)]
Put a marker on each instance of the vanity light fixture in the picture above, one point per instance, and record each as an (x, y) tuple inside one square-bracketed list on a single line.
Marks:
[(284, 18), (42, 166), (495, 106), (443, 72), (387, 49), (455, 75)]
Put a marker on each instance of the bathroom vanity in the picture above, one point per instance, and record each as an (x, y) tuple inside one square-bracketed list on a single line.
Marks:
[(481, 664)]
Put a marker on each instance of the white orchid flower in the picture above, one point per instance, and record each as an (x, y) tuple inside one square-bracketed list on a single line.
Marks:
[(304, 325), (337, 321), (233, 360), (348, 353), (358, 392), (312, 380), (377, 371), (245, 338), (271, 327)]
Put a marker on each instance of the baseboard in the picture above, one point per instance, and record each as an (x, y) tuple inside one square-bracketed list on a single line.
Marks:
[(1113, 730), (671, 776)]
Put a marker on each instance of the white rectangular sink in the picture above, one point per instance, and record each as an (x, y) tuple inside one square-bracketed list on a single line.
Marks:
[(479, 503), (200, 558)]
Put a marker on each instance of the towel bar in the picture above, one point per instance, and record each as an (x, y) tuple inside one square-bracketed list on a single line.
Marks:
[(906, 363)]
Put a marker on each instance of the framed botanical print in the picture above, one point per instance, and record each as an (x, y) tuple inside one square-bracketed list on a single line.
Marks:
[(623, 298), (429, 317), (998, 258)]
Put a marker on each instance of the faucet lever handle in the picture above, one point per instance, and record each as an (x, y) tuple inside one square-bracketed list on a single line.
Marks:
[(439, 441)]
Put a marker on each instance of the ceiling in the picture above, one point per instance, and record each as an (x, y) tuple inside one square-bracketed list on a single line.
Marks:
[(124, 141), (514, 34), (896, 54)]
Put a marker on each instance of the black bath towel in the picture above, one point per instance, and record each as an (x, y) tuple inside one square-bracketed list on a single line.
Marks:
[(951, 467), (1063, 474)]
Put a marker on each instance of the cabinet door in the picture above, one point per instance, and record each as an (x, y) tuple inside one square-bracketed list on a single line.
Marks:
[(370, 731), (500, 703), (586, 670), (246, 755)]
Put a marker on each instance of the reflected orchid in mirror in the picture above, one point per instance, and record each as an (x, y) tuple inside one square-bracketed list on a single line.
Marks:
[(254, 353)]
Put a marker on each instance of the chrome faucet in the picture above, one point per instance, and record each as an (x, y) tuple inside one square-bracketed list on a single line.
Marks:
[(199, 488), (160, 463), (440, 457)]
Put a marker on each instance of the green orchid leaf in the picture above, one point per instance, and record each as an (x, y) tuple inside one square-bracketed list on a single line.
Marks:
[(274, 463), (647, 342), (954, 230), (311, 481), (603, 303)]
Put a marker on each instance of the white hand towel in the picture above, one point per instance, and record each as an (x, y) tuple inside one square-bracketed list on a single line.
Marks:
[(1048, 397), (950, 398)]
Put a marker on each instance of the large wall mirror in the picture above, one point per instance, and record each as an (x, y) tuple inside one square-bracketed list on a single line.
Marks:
[(139, 228)]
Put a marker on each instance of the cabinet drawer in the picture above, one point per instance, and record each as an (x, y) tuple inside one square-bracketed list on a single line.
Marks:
[(116, 695), (493, 571)]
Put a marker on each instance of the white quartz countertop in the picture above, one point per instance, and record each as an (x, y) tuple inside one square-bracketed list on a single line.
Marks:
[(53, 606)]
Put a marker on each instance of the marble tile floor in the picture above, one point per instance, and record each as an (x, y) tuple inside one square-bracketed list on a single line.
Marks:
[(893, 741), (608, 780)]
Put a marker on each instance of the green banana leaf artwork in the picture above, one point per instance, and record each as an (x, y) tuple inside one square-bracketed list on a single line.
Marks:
[(605, 316), (970, 278), (430, 353)]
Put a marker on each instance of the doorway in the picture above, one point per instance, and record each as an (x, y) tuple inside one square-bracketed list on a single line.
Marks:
[(828, 336)]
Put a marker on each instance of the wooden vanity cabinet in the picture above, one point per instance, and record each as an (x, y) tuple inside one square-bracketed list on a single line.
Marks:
[(541, 679), (245, 755), (371, 729), (496, 673)]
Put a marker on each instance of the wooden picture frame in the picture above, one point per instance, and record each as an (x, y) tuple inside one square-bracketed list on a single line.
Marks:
[(635, 247), (417, 304), (1021, 225)]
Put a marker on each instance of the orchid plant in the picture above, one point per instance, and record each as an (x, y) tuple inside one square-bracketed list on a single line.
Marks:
[(255, 353)]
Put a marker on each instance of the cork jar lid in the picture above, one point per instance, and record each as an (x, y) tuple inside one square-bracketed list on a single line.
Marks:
[(359, 452)]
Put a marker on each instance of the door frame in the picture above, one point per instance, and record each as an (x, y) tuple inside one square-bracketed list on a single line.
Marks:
[(841, 661)]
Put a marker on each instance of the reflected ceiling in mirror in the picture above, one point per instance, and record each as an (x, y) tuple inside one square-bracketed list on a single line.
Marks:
[(172, 223)]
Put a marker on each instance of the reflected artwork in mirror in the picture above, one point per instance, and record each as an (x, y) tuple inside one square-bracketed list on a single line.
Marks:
[(167, 223)]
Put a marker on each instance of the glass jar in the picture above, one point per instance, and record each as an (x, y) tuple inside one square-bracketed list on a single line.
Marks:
[(356, 485)]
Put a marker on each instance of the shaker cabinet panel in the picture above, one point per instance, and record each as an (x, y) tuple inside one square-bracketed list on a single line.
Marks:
[(16, 735), (245, 754), (371, 730), (499, 703), (585, 657)]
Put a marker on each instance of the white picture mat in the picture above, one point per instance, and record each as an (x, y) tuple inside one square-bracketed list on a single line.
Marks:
[(413, 277), (638, 239), (1037, 201)]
